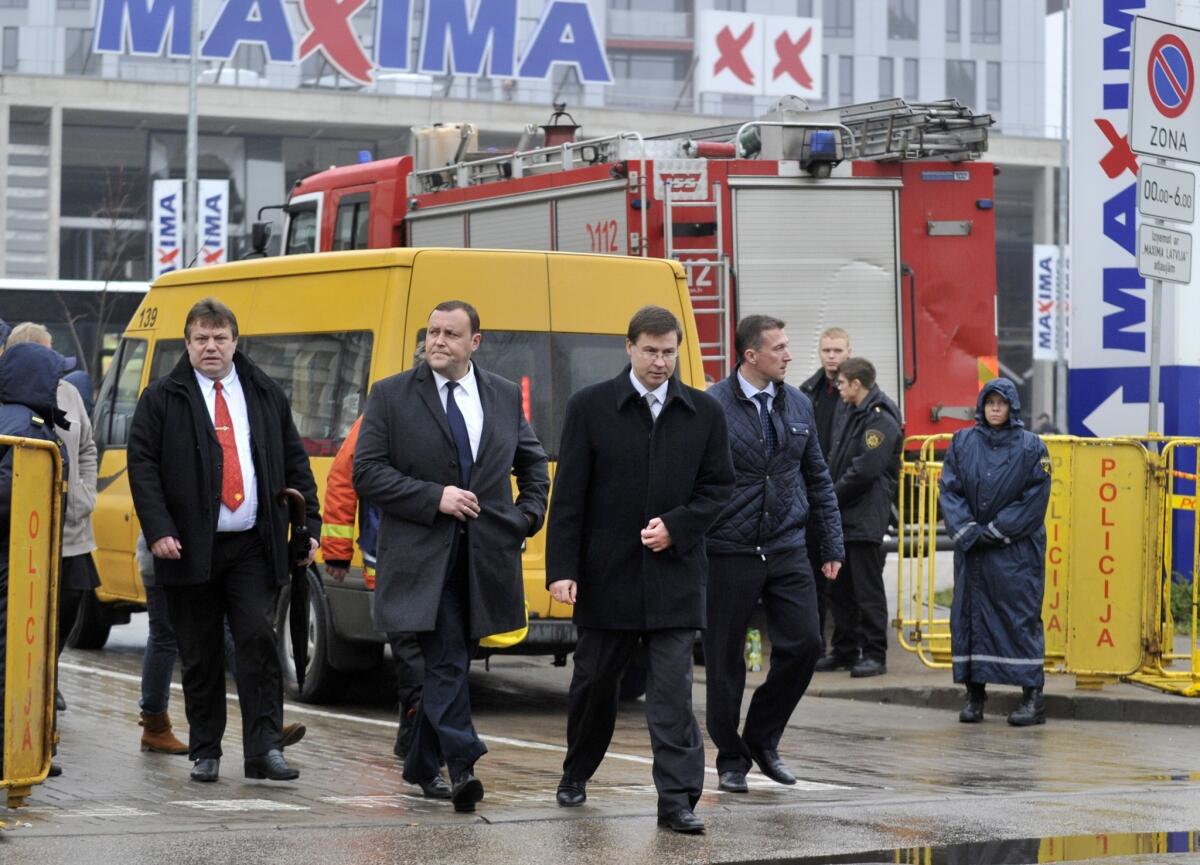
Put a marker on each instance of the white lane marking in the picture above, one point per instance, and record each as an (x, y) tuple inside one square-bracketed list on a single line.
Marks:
[(301, 709), (397, 800), (108, 812), (228, 805)]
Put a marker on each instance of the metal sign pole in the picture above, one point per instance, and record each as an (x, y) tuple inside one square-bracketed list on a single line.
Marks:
[(1155, 346), (1060, 288), (190, 192)]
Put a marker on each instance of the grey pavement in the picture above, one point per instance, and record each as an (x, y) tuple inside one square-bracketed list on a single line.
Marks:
[(880, 781)]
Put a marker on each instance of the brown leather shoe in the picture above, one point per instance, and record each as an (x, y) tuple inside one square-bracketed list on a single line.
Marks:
[(157, 734), (291, 734)]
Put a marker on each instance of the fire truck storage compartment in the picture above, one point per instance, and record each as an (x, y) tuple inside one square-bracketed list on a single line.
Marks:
[(594, 222), (819, 258), (437, 230), (513, 226)]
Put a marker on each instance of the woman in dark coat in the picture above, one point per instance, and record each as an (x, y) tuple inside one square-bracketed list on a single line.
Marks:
[(994, 490)]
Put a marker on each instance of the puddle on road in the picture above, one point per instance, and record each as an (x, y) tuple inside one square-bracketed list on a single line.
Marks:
[(1020, 851)]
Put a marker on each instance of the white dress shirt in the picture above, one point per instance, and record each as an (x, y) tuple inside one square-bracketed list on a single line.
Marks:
[(466, 397), (660, 394), (751, 392), (243, 518)]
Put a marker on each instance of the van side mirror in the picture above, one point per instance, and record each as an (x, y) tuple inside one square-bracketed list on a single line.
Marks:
[(260, 236)]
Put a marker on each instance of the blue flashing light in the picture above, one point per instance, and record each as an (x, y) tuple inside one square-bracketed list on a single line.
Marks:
[(364, 156), (823, 142), (985, 204)]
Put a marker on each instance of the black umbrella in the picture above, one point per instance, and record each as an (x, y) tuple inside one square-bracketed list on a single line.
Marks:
[(298, 548)]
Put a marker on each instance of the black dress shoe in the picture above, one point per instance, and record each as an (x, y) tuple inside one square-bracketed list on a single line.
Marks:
[(436, 787), (770, 765), (271, 766), (54, 771), (733, 782), (60, 702), (830, 663), (683, 821), (466, 792), (571, 794), (868, 667), (206, 769)]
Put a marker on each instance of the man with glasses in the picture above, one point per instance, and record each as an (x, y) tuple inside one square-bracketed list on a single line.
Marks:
[(643, 471)]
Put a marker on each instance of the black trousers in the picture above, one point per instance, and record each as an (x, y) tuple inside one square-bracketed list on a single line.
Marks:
[(735, 585), (409, 667), (242, 587), (823, 587), (601, 657), (443, 725), (860, 603)]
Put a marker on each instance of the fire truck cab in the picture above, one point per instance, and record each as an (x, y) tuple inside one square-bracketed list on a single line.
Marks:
[(874, 218)]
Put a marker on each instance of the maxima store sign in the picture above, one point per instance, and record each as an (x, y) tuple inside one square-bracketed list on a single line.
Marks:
[(459, 37)]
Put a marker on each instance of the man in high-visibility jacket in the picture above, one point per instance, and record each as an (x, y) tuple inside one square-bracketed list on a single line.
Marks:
[(337, 548)]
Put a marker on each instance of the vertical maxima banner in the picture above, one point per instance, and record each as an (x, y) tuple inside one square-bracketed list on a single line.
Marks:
[(166, 232), (212, 222)]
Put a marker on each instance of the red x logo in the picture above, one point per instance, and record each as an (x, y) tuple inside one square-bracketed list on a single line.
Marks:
[(167, 257), (731, 58), (329, 29), (1119, 157), (214, 256), (789, 53)]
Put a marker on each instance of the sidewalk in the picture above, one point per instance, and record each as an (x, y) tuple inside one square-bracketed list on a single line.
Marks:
[(908, 682)]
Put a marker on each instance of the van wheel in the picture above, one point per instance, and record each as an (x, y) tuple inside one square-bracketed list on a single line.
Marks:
[(321, 682), (92, 624)]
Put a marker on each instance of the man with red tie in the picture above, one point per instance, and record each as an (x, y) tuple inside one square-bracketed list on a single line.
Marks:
[(211, 446)]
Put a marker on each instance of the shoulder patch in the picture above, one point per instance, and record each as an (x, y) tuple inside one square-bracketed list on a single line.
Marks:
[(1045, 464), (873, 438)]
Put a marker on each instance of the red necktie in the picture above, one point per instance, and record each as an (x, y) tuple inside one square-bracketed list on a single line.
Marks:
[(231, 478)]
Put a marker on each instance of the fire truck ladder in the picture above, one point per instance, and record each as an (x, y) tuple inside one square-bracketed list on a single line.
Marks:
[(888, 130), (712, 262)]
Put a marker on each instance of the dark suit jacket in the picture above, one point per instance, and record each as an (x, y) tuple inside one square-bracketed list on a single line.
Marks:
[(175, 470), (617, 468), (404, 460)]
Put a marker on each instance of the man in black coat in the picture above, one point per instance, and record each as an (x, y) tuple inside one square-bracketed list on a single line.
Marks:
[(437, 452), (865, 465), (829, 411), (211, 446), (643, 471), (759, 549)]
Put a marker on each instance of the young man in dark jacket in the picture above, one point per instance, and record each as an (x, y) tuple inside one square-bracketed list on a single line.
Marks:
[(865, 464), (759, 549)]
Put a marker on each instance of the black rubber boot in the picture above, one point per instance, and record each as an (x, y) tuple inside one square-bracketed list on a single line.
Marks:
[(972, 710), (1031, 711)]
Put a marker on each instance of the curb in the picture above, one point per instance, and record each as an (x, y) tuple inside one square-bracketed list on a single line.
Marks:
[(1079, 707)]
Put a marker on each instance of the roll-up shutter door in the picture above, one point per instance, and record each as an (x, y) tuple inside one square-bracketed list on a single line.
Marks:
[(593, 223), (519, 226), (437, 231), (820, 258)]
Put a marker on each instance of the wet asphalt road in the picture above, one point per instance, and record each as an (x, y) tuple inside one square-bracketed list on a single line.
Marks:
[(874, 777)]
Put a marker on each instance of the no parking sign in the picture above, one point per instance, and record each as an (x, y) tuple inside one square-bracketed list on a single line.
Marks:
[(1164, 112)]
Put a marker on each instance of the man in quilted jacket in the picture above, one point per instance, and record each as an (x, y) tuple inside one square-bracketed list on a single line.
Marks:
[(783, 499)]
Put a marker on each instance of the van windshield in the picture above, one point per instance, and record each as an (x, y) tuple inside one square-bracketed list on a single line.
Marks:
[(549, 367)]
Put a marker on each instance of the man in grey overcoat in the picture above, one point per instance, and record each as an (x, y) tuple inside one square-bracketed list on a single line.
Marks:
[(438, 447)]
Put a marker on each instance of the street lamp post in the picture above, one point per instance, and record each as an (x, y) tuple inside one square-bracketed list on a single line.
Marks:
[(190, 193)]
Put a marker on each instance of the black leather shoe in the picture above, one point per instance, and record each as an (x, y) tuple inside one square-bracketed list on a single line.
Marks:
[(55, 770), (868, 667), (733, 782), (831, 663), (206, 769), (436, 787), (466, 792), (682, 821), (571, 794), (60, 702), (770, 765), (271, 766)]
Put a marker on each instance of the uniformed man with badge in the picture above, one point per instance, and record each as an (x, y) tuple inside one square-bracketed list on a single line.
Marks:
[(864, 462)]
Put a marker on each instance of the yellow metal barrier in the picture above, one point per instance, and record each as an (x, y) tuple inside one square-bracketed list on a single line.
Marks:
[(33, 559)]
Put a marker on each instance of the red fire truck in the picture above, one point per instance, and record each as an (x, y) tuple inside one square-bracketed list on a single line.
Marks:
[(876, 218)]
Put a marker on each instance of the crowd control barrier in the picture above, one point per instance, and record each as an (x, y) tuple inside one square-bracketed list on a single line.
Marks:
[(1122, 535), (34, 548)]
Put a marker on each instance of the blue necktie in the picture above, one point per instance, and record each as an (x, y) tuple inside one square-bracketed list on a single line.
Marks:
[(462, 441), (764, 400)]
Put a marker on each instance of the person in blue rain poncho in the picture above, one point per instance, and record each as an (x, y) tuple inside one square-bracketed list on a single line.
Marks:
[(994, 490)]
